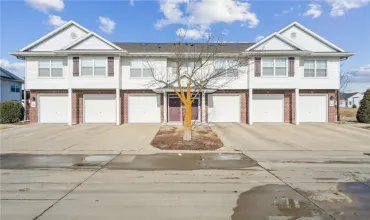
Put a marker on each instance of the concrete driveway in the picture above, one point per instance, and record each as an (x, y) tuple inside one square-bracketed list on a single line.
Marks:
[(79, 138), (305, 137)]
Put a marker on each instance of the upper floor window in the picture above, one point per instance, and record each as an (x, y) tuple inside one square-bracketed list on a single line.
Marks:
[(315, 68), (139, 68), (50, 68), (186, 68), (94, 66), (15, 87), (274, 67), (227, 68)]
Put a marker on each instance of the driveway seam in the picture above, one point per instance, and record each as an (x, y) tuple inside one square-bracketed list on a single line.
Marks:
[(287, 184), (42, 213)]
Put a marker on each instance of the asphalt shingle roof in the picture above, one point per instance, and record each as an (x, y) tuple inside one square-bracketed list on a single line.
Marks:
[(5, 74), (168, 47), (347, 95)]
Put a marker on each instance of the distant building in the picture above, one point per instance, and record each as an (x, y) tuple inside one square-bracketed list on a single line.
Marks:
[(10, 86), (350, 99)]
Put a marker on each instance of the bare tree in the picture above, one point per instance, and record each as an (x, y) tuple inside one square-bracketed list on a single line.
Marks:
[(195, 67)]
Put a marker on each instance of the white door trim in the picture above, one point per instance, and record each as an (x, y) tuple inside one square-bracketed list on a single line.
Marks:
[(275, 95), (83, 109), (327, 102), (38, 102)]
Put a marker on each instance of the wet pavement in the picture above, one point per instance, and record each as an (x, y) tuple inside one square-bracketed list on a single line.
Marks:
[(182, 186)]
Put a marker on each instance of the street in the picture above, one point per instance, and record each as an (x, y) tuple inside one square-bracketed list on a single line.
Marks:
[(254, 185)]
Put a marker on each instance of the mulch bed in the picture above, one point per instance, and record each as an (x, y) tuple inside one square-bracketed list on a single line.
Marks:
[(171, 138)]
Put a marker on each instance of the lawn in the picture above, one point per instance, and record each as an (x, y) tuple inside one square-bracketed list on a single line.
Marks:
[(348, 114), (171, 138)]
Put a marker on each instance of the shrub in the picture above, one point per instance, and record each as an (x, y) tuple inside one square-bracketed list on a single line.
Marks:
[(363, 113), (354, 106), (11, 112)]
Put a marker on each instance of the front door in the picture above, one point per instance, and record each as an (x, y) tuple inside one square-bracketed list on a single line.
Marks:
[(194, 110), (174, 109)]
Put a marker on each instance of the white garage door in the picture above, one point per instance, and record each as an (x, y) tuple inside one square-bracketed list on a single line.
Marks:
[(100, 108), (53, 109), (144, 109), (313, 108), (268, 108), (223, 108)]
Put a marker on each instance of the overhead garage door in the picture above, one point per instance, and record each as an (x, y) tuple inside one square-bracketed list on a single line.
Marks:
[(100, 108), (53, 109), (223, 108), (268, 108), (144, 109), (313, 108)]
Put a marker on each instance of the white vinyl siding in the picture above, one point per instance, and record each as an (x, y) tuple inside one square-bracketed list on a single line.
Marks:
[(94, 66), (139, 69), (274, 67), (315, 68), (50, 68)]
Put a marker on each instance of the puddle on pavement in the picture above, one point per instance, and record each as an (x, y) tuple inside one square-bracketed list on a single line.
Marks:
[(29, 161), (274, 201), (187, 161)]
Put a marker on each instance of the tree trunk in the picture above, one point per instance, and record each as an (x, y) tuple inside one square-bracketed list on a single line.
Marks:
[(188, 113)]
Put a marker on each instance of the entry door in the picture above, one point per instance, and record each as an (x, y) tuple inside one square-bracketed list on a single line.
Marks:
[(313, 108), (174, 109), (268, 108), (100, 108), (53, 109)]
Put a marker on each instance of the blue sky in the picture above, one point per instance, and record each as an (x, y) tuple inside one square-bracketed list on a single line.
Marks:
[(342, 22)]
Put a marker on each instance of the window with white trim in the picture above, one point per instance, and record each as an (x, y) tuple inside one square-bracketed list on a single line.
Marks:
[(315, 68), (274, 67), (227, 69), (139, 69), (94, 66), (51, 68), (15, 87)]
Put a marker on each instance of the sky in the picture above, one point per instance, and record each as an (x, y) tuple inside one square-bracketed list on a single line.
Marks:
[(345, 23)]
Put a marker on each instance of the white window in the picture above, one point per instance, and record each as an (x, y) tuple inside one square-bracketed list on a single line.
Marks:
[(94, 66), (15, 88), (274, 67), (50, 68), (315, 68), (227, 69), (139, 68)]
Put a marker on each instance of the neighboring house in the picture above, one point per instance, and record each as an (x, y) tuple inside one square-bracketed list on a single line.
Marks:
[(350, 99), (76, 76), (11, 86)]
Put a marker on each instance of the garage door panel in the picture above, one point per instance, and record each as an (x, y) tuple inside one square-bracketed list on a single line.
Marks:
[(100, 108), (313, 108), (268, 108), (53, 109), (144, 109), (223, 108)]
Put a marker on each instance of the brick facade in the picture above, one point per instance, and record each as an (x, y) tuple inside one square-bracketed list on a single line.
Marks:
[(33, 111), (78, 103)]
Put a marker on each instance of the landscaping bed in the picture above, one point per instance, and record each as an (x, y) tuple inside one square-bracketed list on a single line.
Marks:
[(171, 138)]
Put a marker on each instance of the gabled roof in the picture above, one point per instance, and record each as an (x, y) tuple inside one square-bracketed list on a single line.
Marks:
[(280, 37), (87, 36), (5, 74), (347, 95), (53, 33), (308, 31)]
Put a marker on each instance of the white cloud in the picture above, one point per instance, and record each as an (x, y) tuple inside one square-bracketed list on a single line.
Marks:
[(45, 5), (192, 33), (225, 32), (287, 11), (314, 10), (16, 66), (360, 75), (132, 2), (106, 24), (203, 13), (340, 7), (259, 38), (56, 21)]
